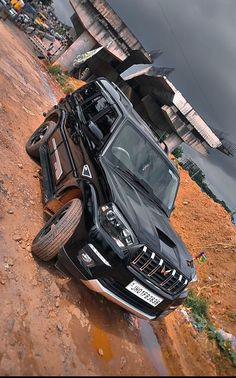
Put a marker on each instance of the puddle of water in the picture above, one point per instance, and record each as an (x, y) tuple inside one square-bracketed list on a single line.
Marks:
[(152, 347), (100, 341)]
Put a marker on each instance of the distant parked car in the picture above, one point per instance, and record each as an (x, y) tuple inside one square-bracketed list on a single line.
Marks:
[(12, 13), (6, 11)]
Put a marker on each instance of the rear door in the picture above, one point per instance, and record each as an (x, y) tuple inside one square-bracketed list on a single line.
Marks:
[(60, 156)]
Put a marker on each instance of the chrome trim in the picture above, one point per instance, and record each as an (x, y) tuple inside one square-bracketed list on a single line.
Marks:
[(148, 262), (95, 285), (156, 269), (57, 164), (98, 254), (168, 278), (176, 282), (162, 273), (140, 255)]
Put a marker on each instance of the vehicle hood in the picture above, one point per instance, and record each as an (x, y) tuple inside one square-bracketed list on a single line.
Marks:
[(150, 225)]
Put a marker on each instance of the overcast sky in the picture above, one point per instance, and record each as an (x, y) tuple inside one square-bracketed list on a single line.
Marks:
[(197, 38)]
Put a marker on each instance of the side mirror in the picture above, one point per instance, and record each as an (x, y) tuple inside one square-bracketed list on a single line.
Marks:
[(94, 133)]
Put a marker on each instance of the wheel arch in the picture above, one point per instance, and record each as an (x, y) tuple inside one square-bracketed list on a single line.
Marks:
[(70, 190), (54, 114)]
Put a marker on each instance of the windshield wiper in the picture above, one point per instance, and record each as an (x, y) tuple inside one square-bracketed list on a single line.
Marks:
[(133, 177), (144, 185)]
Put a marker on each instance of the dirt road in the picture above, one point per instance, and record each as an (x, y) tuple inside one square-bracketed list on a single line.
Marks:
[(49, 324)]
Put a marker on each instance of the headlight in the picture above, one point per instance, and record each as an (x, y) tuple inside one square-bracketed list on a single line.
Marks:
[(116, 226)]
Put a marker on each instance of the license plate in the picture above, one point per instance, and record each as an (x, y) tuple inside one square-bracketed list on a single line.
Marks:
[(143, 293)]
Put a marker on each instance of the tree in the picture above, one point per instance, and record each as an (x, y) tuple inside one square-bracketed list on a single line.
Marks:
[(43, 2), (178, 152), (47, 2)]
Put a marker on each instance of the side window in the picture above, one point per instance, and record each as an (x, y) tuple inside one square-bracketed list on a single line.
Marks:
[(85, 92), (106, 121), (94, 106)]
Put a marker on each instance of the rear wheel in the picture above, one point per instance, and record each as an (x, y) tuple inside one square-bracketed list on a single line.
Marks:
[(39, 137), (57, 231)]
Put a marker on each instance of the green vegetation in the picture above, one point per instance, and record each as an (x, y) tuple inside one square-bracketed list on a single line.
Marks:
[(178, 152), (199, 178), (68, 88), (61, 78), (199, 309), (198, 306), (55, 70), (224, 345)]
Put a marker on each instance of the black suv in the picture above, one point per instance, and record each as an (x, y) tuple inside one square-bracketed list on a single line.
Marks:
[(109, 189)]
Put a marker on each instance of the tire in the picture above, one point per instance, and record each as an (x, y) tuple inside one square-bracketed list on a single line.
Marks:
[(39, 137), (57, 231)]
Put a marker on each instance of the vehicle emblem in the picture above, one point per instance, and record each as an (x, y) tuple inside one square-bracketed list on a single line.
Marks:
[(86, 171), (164, 271)]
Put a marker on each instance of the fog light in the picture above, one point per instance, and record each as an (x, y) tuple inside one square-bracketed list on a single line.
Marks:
[(85, 259)]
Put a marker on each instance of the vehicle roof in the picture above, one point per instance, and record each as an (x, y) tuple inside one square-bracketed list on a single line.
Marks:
[(130, 113)]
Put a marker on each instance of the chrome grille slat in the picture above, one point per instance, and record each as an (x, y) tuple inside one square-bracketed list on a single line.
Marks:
[(156, 269), (176, 283), (140, 256), (148, 262), (168, 278)]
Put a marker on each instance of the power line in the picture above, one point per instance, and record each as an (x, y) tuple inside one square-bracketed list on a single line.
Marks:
[(186, 59)]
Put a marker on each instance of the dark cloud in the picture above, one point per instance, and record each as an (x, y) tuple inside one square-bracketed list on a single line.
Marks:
[(198, 39)]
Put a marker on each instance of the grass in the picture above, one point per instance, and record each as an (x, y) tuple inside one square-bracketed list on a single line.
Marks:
[(61, 78), (198, 307), (55, 70)]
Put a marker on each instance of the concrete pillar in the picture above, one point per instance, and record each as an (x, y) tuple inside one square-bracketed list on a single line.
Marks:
[(173, 141), (83, 44)]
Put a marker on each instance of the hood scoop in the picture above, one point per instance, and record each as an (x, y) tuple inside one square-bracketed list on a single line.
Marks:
[(168, 246)]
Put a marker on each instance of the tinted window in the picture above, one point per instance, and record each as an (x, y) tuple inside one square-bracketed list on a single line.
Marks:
[(106, 121)]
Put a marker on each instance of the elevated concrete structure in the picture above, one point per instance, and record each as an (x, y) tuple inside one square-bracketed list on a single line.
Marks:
[(166, 109), (99, 29), (96, 24)]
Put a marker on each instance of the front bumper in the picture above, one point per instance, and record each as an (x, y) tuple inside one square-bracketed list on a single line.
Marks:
[(96, 286), (111, 281), (66, 265)]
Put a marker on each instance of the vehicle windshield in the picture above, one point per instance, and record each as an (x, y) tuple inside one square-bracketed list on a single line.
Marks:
[(134, 155)]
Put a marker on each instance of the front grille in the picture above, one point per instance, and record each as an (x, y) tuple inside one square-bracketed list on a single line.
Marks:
[(158, 271)]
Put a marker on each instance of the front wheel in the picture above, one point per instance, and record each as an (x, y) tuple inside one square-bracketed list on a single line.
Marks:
[(39, 137), (57, 231)]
